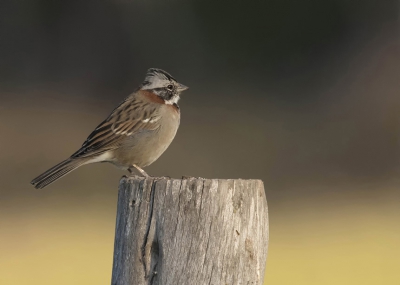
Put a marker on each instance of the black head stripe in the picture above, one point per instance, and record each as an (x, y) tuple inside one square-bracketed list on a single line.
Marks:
[(160, 73)]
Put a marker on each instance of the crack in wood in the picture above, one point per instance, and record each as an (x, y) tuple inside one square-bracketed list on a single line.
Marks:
[(148, 238)]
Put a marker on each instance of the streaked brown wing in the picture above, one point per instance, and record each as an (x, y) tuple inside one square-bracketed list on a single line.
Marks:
[(130, 117)]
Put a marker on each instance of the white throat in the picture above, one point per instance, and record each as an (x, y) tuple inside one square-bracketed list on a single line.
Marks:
[(173, 100)]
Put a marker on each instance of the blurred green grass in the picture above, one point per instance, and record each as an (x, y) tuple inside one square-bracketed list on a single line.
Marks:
[(355, 244)]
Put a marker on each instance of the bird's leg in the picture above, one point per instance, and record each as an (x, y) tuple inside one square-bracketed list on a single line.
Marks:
[(138, 169), (131, 173)]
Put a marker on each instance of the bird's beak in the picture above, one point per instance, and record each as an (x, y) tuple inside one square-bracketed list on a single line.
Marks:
[(182, 87)]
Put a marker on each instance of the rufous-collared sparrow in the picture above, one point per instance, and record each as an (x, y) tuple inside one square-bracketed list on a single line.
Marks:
[(134, 135)]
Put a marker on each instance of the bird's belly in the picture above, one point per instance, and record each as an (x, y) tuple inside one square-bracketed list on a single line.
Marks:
[(144, 148)]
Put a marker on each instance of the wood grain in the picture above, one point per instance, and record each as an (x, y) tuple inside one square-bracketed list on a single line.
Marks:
[(190, 231)]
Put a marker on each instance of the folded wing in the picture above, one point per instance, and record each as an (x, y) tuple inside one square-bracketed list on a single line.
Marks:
[(130, 117)]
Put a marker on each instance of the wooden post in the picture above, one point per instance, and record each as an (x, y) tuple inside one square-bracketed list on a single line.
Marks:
[(190, 231)]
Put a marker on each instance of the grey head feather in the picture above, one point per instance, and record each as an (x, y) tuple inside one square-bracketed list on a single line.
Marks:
[(157, 78)]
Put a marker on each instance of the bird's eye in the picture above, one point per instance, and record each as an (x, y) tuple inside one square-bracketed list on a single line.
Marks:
[(170, 87)]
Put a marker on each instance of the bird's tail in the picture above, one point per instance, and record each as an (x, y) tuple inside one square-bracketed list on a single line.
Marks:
[(56, 172)]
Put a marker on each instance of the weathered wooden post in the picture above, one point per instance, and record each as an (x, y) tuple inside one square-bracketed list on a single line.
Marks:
[(190, 231)]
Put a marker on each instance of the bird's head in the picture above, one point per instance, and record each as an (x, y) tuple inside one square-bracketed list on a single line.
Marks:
[(163, 85)]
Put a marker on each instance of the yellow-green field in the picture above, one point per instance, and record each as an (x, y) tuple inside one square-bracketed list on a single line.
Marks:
[(56, 238)]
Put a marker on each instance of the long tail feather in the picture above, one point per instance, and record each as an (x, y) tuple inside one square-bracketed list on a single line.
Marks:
[(56, 172)]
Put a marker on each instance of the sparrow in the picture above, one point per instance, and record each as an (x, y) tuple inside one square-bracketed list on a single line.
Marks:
[(134, 135)]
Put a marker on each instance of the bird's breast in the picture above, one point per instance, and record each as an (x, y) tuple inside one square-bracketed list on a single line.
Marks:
[(143, 148)]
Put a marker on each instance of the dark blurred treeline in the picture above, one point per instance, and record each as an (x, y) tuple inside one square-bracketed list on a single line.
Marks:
[(110, 42), (291, 84)]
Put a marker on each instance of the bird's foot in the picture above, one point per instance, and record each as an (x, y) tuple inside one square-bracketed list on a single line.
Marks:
[(144, 174)]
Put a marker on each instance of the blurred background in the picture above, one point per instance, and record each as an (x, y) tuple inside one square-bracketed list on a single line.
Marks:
[(301, 94)]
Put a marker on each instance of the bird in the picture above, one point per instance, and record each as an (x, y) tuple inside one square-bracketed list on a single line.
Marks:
[(134, 135)]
